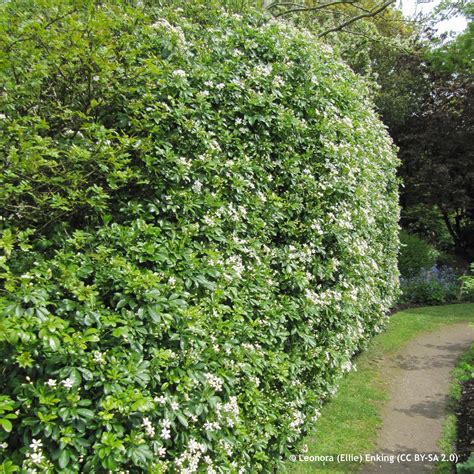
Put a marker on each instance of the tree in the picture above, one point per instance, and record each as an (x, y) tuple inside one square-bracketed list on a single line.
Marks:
[(435, 137)]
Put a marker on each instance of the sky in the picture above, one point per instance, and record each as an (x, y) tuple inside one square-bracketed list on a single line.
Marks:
[(413, 7)]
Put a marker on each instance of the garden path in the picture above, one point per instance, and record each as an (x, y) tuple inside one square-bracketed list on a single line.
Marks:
[(418, 379)]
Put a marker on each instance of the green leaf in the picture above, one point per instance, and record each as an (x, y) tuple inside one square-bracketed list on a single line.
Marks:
[(85, 413), (6, 424), (75, 376), (54, 343), (182, 420), (63, 459), (154, 313)]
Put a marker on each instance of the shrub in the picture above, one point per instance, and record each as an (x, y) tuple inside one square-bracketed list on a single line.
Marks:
[(415, 255), (199, 230), (433, 286), (468, 285), (467, 466)]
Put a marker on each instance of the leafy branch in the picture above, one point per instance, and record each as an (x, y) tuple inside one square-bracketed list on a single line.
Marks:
[(290, 8)]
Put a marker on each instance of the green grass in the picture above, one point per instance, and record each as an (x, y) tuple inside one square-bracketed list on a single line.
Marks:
[(350, 421)]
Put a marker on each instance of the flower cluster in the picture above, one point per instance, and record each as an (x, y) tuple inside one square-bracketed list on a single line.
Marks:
[(148, 427), (228, 412), (214, 381)]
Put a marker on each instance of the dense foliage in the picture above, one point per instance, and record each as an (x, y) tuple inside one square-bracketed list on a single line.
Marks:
[(199, 229), (468, 284), (415, 254)]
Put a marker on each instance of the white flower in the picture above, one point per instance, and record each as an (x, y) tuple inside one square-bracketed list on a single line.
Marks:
[(149, 430), (237, 265), (264, 70), (166, 423), (36, 444), (179, 73), (161, 400), (346, 366), (193, 446), (212, 426), (174, 405), (161, 452), (298, 420), (160, 24), (68, 383), (3, 116), (183, 161), (165, 433), (214, 381), (208, 220), (37, 457), (227, 447), (197, 186), (51, 383), (220, 86), (99, 357)]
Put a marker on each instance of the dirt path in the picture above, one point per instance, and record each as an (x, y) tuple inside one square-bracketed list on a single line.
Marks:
[(418, 378)]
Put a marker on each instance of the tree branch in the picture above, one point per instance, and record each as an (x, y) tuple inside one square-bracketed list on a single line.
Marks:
[(284, 4), (375, 39), (372, 13), (449, 226), (310, 9), (45, 27)]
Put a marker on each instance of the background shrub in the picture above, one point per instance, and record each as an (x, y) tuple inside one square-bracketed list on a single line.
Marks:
[(432, 286), (416, 254), (198, 231), (468, 285)]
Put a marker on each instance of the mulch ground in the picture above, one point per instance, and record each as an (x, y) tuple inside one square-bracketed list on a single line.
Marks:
[(465, 421)]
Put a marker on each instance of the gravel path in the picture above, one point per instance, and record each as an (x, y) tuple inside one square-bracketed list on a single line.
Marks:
[(418, 380)]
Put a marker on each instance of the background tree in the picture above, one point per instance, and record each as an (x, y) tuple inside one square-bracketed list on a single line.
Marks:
[(430, 118), (437, 154)]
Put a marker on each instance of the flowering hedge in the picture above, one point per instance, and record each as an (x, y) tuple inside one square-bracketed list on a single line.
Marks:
[(199, 230)]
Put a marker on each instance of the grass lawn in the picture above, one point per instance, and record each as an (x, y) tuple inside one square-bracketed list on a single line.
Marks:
[(349, 422)]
